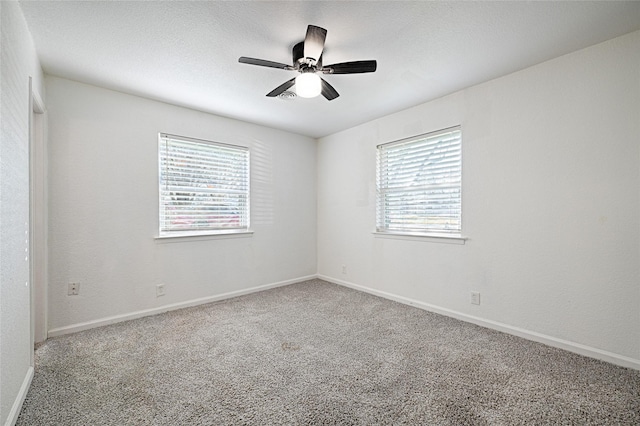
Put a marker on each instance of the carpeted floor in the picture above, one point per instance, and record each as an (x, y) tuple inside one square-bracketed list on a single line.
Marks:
[(318, 354)]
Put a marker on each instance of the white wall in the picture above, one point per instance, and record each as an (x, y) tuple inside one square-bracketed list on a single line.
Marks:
[(18, 62), (103, 211), (551, 208)]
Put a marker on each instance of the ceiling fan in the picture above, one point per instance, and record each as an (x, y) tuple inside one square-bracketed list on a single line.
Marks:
[(307, 60)]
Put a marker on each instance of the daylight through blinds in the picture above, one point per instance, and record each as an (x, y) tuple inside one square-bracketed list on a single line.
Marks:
[(420, 184), (204, 186)]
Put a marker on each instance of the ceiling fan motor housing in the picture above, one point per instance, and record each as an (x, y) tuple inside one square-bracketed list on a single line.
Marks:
[(299, 59)]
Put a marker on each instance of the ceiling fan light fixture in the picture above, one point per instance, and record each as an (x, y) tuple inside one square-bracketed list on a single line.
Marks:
[(307, 60), (308, 85)]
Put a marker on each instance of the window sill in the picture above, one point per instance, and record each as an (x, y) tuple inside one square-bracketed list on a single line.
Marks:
[(197, 236), (431, 237)]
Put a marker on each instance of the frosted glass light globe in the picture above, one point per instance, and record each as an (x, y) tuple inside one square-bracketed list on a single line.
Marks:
[(308, 85)]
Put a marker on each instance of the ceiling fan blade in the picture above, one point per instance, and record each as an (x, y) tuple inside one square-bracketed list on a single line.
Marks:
[(284, 86), (356, 67), (314, 42), (328, 91), (264, 63)]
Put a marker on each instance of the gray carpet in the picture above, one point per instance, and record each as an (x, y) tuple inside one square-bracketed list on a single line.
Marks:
[(318, 354)]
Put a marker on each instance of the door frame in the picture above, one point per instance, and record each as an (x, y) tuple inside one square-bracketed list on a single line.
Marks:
[(38, 217)]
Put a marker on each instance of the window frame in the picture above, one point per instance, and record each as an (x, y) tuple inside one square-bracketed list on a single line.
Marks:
[(434, 234), (211, 231)]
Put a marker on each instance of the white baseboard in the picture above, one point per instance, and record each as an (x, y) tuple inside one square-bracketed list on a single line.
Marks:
[(22, 394), (171, 307), (578, 348), (505, 328)]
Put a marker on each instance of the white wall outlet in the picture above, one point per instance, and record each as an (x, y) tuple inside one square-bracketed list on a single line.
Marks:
[(344, 269), (160, 290), (475, 298), (73, 289)]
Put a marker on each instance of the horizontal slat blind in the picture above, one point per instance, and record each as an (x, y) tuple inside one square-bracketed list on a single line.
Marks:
[(419, 184), (204, 186)]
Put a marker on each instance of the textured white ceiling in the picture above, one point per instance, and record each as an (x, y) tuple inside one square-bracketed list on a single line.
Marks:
[(186, 53)]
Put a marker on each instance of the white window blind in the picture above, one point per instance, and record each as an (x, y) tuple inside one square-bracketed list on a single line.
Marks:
[(419, 184), (204, 186)]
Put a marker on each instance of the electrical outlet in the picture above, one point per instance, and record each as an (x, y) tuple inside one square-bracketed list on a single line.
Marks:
[(475, 298), (344, 269), (160, 290), (73, 289)]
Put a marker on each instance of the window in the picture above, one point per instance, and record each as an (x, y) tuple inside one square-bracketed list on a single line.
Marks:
[(419, 184), (204, 187)]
